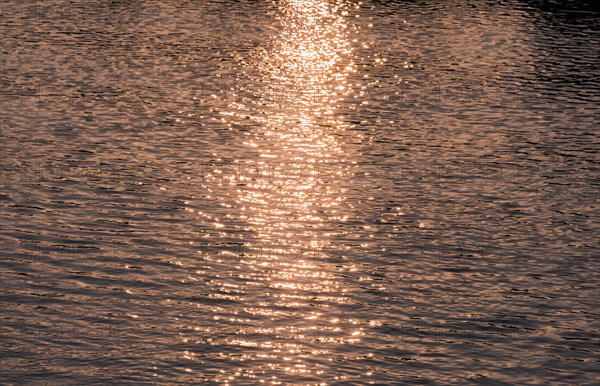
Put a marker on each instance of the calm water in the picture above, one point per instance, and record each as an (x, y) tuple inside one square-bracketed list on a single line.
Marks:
[(299, 192)]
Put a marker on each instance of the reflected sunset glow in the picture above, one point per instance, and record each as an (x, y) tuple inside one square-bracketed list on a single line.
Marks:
[(303, 78)]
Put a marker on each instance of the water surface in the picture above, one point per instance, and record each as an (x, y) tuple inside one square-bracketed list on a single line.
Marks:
[(299, 192)]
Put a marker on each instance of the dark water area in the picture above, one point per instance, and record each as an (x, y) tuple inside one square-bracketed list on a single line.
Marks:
[(299, 192)]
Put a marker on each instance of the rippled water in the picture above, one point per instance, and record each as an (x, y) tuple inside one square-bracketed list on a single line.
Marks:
[(299, 192)]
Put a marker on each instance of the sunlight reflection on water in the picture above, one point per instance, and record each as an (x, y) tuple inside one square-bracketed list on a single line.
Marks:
[(303, 78)]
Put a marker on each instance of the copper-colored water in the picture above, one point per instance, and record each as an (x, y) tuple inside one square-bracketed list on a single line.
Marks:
[(299, 192)]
